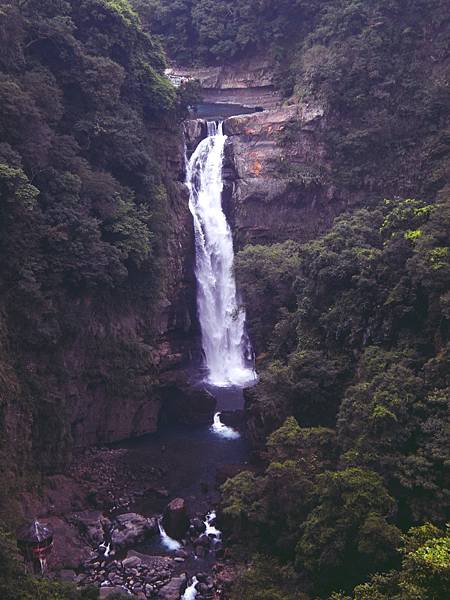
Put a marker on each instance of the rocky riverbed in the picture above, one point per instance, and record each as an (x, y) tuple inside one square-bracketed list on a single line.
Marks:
[(138, 518)]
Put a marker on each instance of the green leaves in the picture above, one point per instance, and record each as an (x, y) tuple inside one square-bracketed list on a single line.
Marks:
[(347, 535), (87, 121), (14, 186), (128, 231), (365, 316), (124, 9)]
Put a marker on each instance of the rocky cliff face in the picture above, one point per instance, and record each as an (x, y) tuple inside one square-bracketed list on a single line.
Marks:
[(278, 182), (247, 82), (116, 392), (106, 376), (276, 175)]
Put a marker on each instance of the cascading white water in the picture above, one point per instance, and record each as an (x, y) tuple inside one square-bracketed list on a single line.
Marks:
[(105, 548), (211, 530), (191, 591), (168, 542), (225, 344), (223, 430)]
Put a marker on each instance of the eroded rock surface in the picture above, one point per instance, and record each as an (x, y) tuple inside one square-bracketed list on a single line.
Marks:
[(176, 520), (247, 82), (131, 528), (70, 551), (92, 524), (276, 176), (173, 589)]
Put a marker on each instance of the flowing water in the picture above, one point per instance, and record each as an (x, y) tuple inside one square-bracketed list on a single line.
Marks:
[(166, 541), (211, 530), (226, 347), (195, 460), (191, 591), (223, 430)]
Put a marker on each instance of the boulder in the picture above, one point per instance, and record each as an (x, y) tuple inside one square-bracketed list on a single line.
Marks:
[(175, 519), (194, 131), (197, 527), (232, 418), (92, 525), (69, 549), (132, 528), (131, 562), (105, 592), (186, 404), (174, 589)]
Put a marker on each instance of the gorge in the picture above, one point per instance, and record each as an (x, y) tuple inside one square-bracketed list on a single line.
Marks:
[(224, 299)]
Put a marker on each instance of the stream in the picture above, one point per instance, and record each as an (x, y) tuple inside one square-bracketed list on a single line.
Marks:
[(190, 457), (194, 461)]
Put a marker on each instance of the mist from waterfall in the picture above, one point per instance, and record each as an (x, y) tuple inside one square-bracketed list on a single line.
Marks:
[(227, 350)]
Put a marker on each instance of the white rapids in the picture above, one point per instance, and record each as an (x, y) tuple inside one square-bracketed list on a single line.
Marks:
[(223, 430), (168, 542), (105, 549), (227, 350), (211, 530), (190, 592)]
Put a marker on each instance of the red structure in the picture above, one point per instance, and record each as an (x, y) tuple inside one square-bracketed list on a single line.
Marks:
[(36, 543)]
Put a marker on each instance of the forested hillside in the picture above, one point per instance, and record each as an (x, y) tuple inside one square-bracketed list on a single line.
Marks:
[(347, 498), (84, 107), (86, 119), (380, 69), (351, 411)]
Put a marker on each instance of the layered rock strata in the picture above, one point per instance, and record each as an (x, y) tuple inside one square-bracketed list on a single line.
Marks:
[(246, 82), (277, 176)]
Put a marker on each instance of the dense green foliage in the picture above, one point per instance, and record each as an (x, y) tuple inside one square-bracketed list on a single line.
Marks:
[(212, 31), (85, 115), (354, 398), (85, 111), (351, 412)]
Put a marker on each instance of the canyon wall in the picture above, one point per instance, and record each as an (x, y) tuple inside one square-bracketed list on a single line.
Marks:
[(276, 174), (247, 82), (155, 344), (123, 353), (277, 177)]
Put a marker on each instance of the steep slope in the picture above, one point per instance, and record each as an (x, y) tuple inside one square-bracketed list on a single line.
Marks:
[(96, 247)]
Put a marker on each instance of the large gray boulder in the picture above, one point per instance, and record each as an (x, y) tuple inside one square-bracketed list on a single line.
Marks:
[(175, 519), (174, 589), (132, 528), (92, 524)]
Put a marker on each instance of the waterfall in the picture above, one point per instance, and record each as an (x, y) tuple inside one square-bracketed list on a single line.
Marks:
[(211, 530), (226, 347), (191, 591), (168, 542), (223, 430)]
